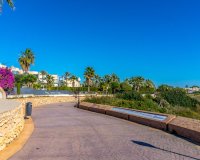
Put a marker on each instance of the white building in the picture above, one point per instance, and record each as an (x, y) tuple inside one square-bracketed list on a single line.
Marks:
[(2, 66), (16, 70), (42, 78), (69, 83), (56, 79), (193, 89)]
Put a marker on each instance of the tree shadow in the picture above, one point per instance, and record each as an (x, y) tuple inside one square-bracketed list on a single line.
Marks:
[(154, 147)]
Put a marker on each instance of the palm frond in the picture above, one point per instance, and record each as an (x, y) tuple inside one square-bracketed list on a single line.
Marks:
[(11, 4)]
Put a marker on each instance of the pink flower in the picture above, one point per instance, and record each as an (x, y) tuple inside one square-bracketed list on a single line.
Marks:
[(7, 79)]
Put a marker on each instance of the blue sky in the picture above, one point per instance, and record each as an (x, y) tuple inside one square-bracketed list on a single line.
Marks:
[(159, 40)]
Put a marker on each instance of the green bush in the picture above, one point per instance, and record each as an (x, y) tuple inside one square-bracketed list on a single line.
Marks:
[(131, 95), (179, 97), (146, 105), (125, 87), (184, 112)]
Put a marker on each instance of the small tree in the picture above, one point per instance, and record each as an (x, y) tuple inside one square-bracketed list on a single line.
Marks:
[(18, 82), (115, 86), (89, 74), (29, 80), (50, 81), (7, 79)]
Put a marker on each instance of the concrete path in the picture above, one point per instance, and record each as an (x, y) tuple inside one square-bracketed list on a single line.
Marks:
[(63, 132)]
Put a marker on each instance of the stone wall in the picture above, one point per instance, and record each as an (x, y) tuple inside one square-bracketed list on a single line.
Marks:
[(186, 127), (11, 125), (38, 101), (105, 109)]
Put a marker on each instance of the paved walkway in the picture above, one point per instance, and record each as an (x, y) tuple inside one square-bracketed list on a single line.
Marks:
[(63, 132)]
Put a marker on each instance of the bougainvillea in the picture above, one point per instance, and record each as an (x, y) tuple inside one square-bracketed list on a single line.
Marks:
[(7, 79)]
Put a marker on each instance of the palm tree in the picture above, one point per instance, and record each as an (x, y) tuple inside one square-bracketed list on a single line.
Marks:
[(89, 74), (107, 80), (115, 78), (149, 84), (50, 81), (137, 83), (97, 80), (67, 75), (26, 60), (10, 2)]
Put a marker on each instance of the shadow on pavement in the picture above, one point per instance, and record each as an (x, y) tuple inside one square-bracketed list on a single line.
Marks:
[(154, 147)]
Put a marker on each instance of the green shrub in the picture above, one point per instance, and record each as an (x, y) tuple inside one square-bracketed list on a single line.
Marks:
[(179, 97), (147, 105), (131, 95), (184, 112), (125, 87)]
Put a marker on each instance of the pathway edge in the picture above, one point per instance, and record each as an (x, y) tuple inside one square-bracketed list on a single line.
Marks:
[(19, 142)]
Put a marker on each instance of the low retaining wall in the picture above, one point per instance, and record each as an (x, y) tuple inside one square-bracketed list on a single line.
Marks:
[(105, 109), (186, 127), (11, 121), (38, 101)]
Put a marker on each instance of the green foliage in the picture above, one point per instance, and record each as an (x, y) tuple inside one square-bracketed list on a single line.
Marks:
[(29, 79), (146, 105), (26, 59), (37, 86), (164, 88), (50, 81), (161, 102), (142, 85), (131, 95), (185, 112), (19, 78), (177, 96), (18, 88), (136, 83), (115, 86), (10, 2), (89, 74), (25, 79), (125, 87)]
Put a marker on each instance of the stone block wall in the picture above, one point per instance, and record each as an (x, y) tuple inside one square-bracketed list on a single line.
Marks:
[(38, 101), (11, 125), (186, 127)]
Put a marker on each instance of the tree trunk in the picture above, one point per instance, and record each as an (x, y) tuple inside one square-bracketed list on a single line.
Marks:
[(88, 85)]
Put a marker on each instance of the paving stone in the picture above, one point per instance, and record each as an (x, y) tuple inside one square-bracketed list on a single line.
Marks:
[(63, 132)]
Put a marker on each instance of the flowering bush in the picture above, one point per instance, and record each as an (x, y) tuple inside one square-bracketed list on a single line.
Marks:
[(7, 79)]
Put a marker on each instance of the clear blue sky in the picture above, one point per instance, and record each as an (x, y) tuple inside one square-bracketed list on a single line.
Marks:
[(157, 39)]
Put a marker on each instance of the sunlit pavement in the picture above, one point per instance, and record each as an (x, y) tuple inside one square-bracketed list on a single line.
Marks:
[(63, 132)]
